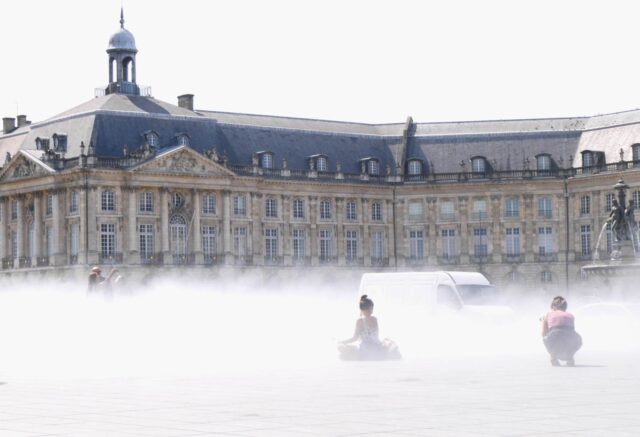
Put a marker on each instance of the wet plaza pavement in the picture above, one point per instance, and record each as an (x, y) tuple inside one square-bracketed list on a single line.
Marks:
[(473, 395)]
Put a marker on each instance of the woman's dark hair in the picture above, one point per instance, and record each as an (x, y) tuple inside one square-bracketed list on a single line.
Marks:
[(559, 303), (365, 303)]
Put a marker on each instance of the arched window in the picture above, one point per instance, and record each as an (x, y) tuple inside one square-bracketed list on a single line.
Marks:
[(183, 140), (543, 162), (266, 160), (478, 164), (152, 139), (373, 167), (414, 167), (127, 70), (321, 163)]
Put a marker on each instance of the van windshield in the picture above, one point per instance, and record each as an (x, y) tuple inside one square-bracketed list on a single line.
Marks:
[(478, 294)]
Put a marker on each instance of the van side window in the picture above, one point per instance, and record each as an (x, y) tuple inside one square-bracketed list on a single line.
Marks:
[(448, 298)]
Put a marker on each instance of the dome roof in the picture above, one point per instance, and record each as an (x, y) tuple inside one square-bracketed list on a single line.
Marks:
[(122, 40)]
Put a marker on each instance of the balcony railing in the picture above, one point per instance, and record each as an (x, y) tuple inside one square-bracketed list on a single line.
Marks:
[(379, 262), (546, 257), (184, 259), (273, 261), (110, 258), (243, 260), (210, 259), (154, 259), (480, 259), (43, 261), (24, 262), (355, 261), (449, 260), (512, 258), (328, 260), (7, 263)]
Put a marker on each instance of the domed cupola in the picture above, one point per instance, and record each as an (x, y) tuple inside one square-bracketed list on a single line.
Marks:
[(122, 62)]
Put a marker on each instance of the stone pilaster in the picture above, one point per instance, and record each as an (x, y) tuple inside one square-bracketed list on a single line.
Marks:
[(226, 227), (37, 229), (496, 229), (339, 238), (313, 232), (390, 242), (366, 238), (92, 225), (20, 230), (285, 247), (528, 225), (196, 231), (431, 236), (132, 227), (464, 229), (59, 249), (4, 205), (256, 234), (164, 226)]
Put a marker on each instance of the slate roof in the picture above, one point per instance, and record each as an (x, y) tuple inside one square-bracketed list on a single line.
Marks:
[(115, 120)]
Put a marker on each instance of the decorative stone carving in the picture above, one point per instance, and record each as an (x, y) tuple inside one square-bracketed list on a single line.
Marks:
[(25, 169)]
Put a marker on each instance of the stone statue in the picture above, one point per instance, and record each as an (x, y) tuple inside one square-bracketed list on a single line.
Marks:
[(630, 220), (616, 221)]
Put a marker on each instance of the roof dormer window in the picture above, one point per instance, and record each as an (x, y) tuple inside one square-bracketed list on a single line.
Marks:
[(543, 162), (266, 160), (183, 140), (635, 152), (59, 142), (373, 167), (321, 163), (414, 167), (588, 159), (479, 164), (42, 144), (153, 140)]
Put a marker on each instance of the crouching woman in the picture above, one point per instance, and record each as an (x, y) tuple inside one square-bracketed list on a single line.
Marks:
[(559, 334)]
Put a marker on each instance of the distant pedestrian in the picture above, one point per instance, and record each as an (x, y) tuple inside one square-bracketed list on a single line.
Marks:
[(95, 278), (559, 334)]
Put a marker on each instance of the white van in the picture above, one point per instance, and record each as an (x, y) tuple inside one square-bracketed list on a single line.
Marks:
[(467, 292)]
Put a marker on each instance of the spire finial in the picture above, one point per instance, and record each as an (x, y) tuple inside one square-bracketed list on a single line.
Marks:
[(121, 17)]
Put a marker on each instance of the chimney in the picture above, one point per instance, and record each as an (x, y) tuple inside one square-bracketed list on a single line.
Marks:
[(22, 120), (8, 124), (186, 101)]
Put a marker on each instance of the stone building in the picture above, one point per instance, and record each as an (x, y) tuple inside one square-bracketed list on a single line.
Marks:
[(129, 180)]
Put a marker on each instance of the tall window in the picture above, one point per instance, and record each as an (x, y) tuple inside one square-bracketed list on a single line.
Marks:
[(513, 241), (271, 207), (178, 238), (416, 245), (479, 209), (352, 245), (239, 206), (177, 200), (74, 245), (209, 204), (240, 241), (543, 162), (585, 205), (545, 276), (1, 210), (545, 241), (325, 244), (608, 202), (108, 201), (32, 240), (585, 240), (50, 241), (544, 207), (448, 243), (447, 210), (480, 242), (352, 211), (415, 211), (153, 140), (73, 202), (146, 202), (321, 163), (512, 207), (635, 152), (377, 245), (107, 240), (376, 211), (209, 242), (636, 199), (267, 160), (14, 210), (49, 204), (478, 165), (414, 167), (146, 241), (298, 209), (373, 167), (298, 244), (14, 244), (325, 209), (271, 244), (587, 159)]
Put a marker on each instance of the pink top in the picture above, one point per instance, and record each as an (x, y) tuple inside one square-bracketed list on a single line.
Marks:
[(557, 318)]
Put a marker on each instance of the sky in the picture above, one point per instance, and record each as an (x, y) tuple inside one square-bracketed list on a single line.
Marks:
[(362, 61)]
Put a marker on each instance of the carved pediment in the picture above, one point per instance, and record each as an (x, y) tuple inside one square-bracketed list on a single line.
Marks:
[(21, 167), (185, 161)]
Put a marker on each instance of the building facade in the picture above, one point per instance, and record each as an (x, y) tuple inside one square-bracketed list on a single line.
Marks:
[(126, 179)]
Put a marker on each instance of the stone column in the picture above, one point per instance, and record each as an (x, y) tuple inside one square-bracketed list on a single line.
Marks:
[(92, 225), (226, 227), (57, 217), (286, 230), (390, 242), (196, 232), (256, 208), (529, 230), (82, 238), (132, 228), (20, 230), (164, 225), (464, 229), (366, 249), (432, 232), (37, 228), (496, 229), (313, 230), (4, 205), (340, 237)]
